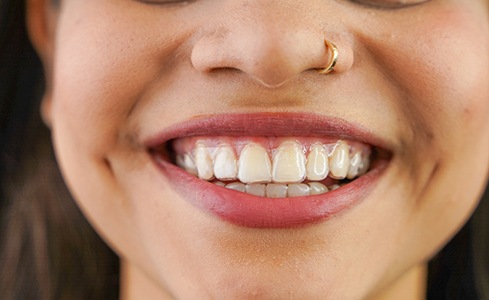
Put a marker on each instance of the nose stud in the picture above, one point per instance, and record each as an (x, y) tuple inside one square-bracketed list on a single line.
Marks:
[(333, 57)]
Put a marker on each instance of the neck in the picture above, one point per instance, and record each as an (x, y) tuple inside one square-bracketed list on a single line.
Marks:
[(137, 285)]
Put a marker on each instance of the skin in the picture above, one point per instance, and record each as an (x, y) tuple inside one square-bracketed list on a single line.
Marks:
[(121, 70)]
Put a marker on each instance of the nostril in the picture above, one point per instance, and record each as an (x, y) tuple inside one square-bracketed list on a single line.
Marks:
[(207, 55), (266, 53)]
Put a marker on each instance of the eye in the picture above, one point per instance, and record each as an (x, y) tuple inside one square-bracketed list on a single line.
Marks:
[(389, 4)]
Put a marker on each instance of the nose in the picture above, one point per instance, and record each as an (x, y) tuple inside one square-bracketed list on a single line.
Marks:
[(268, 41)]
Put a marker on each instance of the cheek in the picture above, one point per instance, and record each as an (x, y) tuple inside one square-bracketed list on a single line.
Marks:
[(102, 66), (448, 107), (105, 65), (446, 71), (450, 97), (439, 67)]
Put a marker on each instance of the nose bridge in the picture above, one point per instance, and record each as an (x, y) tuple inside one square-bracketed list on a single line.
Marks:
[(271, 41), (273, 20)]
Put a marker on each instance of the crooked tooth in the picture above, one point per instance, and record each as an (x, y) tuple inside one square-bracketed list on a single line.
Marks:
[(298, 189), (187, 163), (317, 163), (317, 188), (355, 164), (237, 186), (289, 163), (257, 189), (254, 165), (339, 162), (275, 190), (203, 162), (225, 164)]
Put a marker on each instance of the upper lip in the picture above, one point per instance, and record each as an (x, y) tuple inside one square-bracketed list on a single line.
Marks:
[(268, 124)]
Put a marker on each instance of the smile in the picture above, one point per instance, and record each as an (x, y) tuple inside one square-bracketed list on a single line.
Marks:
[(271, 166), (236, 166)]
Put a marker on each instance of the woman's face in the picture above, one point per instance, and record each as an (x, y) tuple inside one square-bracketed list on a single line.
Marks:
[(231, 90)]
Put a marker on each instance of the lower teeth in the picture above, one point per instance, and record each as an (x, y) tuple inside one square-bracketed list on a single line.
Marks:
[(276, 190)]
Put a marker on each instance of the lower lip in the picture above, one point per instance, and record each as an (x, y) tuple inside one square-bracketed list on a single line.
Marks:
[(260, 212)]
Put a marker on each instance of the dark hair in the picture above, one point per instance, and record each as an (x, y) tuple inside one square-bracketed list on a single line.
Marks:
[(47, 248)]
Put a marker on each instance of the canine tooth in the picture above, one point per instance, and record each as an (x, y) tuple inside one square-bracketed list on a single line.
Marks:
[(354, 168), (257, 189), (254, 165), (225, 166), (317, 163), (339, 161), (298, 189), (317, 188), (237, 186), (289, 163), (203, 162), (275, 190)]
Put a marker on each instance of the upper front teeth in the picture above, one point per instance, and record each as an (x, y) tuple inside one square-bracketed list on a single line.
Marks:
[(254, 164), (291, 163)]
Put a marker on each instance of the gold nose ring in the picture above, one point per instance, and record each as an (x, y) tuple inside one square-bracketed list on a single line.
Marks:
[(334, 57)]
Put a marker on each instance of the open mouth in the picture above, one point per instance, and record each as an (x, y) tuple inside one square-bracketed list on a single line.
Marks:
[(238, 170), (274, 167)]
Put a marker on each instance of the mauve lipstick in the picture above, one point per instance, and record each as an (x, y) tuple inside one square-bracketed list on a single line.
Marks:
[(261, 212)]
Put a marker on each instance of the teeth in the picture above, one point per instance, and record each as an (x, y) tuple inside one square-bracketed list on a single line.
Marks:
[(256, 189), (203, 162), (339, 161), (276, 190), (225, 166), (317, 188), (254, 172), (289, 163), (254, 164), (364, 165), (334, 187), (237, 186), (317, 163), (298, 189), (354, 168), (185, 161)]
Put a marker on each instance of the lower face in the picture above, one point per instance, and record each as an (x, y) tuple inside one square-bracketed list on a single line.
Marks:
[(203, 145)]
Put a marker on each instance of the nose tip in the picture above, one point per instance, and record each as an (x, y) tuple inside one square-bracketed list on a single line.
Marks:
[(269, 55)]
